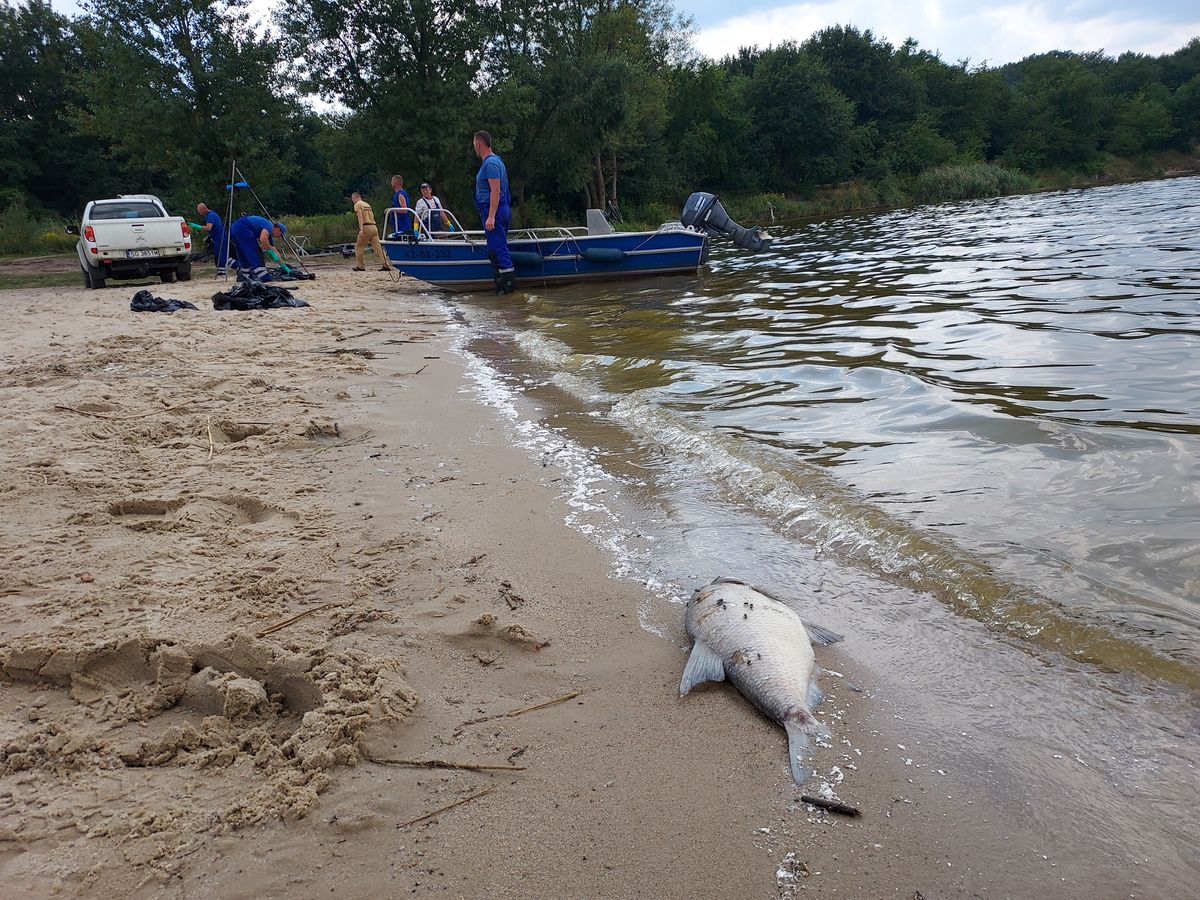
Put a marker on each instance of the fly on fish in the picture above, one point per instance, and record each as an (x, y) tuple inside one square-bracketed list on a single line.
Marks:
[(756, 641)]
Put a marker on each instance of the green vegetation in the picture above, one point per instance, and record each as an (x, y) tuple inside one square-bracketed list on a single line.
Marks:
[(10, 280), (589, 101), (969, 181)]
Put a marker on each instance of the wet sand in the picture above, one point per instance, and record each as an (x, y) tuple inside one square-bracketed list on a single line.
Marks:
[(176, 486)]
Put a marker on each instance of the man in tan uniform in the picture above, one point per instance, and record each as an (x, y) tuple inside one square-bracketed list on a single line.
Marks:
[(367, 234)]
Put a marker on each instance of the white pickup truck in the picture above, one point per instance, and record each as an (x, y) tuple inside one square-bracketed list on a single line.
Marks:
[(132, 237)]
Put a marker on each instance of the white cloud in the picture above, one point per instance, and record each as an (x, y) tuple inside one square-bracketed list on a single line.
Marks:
[(995, 35)]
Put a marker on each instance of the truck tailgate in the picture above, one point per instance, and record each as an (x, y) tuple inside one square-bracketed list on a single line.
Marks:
[(147, 237)]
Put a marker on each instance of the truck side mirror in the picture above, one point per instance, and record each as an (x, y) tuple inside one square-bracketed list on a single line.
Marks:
[(73, 229)]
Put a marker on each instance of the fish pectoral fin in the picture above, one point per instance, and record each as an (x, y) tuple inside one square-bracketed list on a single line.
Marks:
[(725, 579), (702, 665), (816, 696), (822, 636)]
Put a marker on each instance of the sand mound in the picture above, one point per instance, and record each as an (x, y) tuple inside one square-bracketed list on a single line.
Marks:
[(304, 711)]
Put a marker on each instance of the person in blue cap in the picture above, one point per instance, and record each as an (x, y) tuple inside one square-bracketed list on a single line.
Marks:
[(253, 239), (492, 201), (216, 230)]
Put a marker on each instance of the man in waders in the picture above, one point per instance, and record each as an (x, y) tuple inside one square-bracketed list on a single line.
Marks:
[(491, 198)]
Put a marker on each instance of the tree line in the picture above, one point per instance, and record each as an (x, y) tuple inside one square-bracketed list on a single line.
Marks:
[(587, 100)]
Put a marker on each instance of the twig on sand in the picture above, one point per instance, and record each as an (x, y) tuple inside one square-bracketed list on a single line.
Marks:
[(836, 806), (364, 352), (449, 806), (517, 712), (96, 415), (419, 371), (357, 439), (446, 764), (210, 440), (563, 699), (356, 336), (286, 622)]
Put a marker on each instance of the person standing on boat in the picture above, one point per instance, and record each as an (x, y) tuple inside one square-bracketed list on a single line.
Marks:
[(368, 233), (400, 222), (492, 200), (429, 209)]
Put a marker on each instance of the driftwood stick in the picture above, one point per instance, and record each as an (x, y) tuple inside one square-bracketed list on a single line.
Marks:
[(556, 700), (446, 764), (836, 806), (210, 440), (296, 618), (94, 415), (448, 806)]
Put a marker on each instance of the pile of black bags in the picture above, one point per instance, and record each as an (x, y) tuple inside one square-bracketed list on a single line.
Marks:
[(255, 295)]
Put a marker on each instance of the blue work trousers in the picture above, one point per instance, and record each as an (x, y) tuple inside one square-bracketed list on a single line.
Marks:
[(497, 238), (220, 239), (246, 249)]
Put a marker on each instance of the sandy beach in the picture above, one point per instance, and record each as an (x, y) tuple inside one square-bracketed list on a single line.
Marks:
[(253, 563)]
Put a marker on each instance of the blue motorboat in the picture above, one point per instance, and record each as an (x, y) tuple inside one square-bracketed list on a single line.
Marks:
[(458, 259)]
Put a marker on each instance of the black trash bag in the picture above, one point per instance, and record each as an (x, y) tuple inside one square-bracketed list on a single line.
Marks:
[(290, 274), (144, 301), (247, 295)]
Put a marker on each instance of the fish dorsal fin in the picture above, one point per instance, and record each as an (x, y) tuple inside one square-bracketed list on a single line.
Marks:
[(822, 636), (702, 665)]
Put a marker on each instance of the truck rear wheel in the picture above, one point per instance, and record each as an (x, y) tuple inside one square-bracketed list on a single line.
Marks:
[(91, 277), (184, 272), (166, 277)]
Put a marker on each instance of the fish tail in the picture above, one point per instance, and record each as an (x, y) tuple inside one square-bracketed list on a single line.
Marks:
[(801, 728)]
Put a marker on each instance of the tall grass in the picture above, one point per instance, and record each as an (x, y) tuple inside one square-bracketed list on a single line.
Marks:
[(322, 230), (968, 182), (23, 233)]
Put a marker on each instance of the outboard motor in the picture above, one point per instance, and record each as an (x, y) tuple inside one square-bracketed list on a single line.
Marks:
[(704, 212)]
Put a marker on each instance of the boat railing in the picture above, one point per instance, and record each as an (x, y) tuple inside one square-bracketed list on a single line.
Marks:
[(422, 232)]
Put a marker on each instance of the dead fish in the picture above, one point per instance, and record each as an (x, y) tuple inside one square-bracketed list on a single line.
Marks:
[(766, 652)]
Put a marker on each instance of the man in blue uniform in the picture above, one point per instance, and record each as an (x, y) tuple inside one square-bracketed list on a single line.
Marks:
[(253, 239), (216, 230), (400, 225), (492, 201)]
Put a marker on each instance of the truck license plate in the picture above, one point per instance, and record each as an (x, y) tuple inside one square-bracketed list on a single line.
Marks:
[(141, 254)]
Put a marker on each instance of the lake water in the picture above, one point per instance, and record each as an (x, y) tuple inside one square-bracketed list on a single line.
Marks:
[(966, 435), (996, 402)]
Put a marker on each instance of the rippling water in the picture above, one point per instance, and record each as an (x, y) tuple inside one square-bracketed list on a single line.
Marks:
[(996, 403)]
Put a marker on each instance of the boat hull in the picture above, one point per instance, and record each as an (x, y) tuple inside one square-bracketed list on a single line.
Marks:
[(463, 264)]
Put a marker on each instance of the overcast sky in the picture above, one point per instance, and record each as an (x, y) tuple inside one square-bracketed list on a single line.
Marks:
[(994, 33)]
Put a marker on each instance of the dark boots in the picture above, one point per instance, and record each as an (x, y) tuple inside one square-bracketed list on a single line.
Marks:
[(506, 279), (506, 282)]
